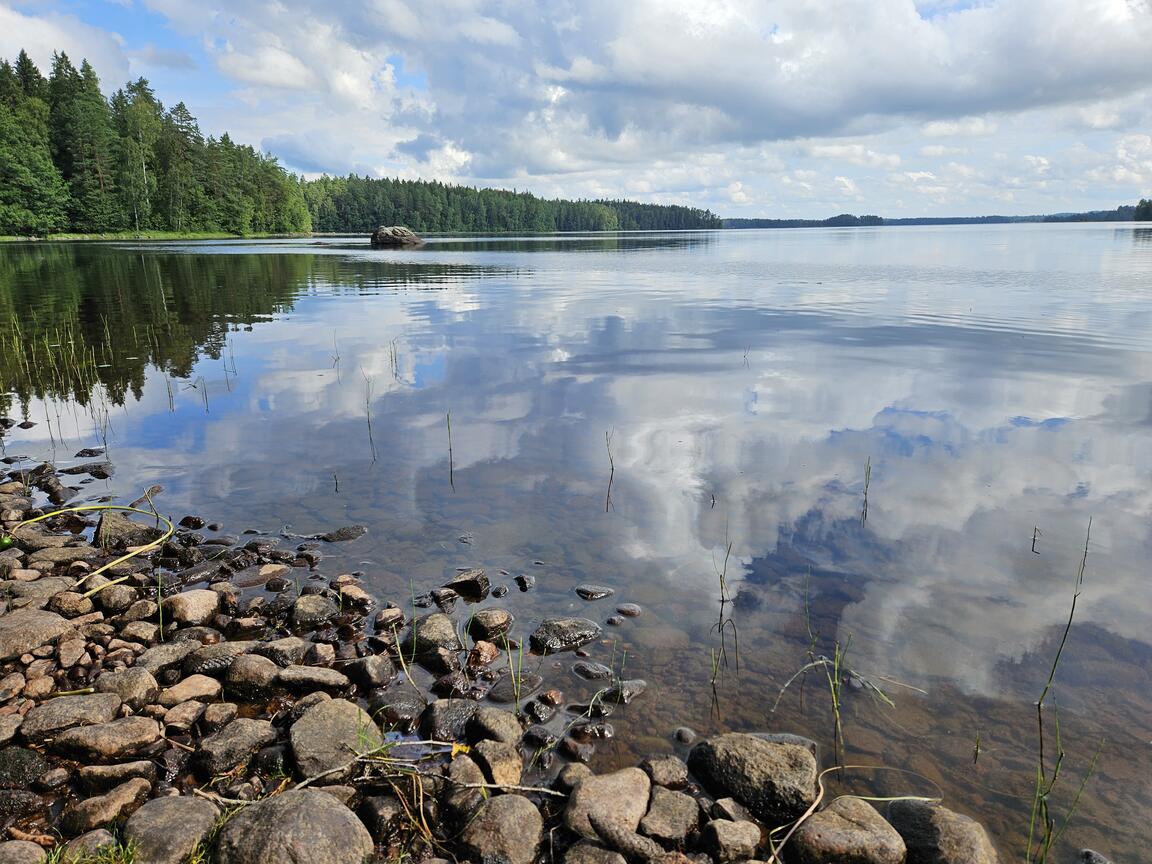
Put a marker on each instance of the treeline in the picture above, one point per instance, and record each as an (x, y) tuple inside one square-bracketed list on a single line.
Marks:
[(72, 160), (1124, 213), (359, 204)]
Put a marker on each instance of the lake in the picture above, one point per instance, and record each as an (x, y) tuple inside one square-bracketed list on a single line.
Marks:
[(881, 444)]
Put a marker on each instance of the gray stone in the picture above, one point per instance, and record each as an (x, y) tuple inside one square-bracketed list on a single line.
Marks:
[(87, 846), (1087, 856), (381, 815), (219, 714), (666, 770), (299, 825), (288, 651), (101, 810), (621, 797), (64, 712), (233, 745), (937, 835), (309, 678), (192, 607), (848, 831), (116, 740), (21, 852), (329, 736), (135, 686), (116, 530), (198, 687), (251, 676), (462, 790), (471, 584), (168, 830), (731, 841), (99, 778), (25, 629), (181, 718), (19, 767), (9, 726), (563, 634), (447, 719), (776, 782), (70, 604), (312, 610), (161, 658), (501, 763), (587, 852), (429, 633), (117, 598), (494, 724), (375, 670), (215, 659), (507, 828), (490, 625), (671, 816)]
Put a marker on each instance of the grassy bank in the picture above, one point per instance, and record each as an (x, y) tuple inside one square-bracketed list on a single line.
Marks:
[(145, 235)]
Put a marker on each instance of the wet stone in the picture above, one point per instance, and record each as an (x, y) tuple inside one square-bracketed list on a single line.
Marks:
[(563, 634), (447, 719), (594, 592), (505, 689), (591, 671), (490, 625), (629, 610), (19, 767)]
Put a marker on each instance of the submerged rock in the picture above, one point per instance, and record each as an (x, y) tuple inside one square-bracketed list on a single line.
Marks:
[(937, 835)]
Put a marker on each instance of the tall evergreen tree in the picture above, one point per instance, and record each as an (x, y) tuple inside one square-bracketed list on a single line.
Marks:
[(33, 197)]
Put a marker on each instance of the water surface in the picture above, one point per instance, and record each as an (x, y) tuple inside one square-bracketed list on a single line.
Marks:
[(991, 385)]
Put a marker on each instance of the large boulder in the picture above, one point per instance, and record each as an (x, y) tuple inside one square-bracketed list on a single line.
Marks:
[(298, 825), (937, 835), (848, 831), (394, 237), (620, 797), (27, 629), (168, 830), (776, 782), (507, 828)]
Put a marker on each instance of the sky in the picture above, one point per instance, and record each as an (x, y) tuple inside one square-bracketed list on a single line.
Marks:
[(774, 108)]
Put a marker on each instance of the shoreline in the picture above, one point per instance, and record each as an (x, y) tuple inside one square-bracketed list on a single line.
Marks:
[(231, 698)]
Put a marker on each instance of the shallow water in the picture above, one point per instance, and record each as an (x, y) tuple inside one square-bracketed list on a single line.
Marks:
[(993, 383)]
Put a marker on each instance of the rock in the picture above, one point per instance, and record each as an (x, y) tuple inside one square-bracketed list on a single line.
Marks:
[(218, 715), (117, 531), (591, 671), (215, 659), (398, 710), (182, 717), (19, 767), (193, 608), (571, 775), (381, 815), (620, 797), (168, 830), (70, 604), (21, 852), (507, 828), (937, 835), (135, 686), (776, 782), (730, 809), (623, 692), (594, 592), (309, 678), (198, 687), (342, 535), (394, 237), (371, 672), (731, 841), (116, 599), (463, 791), (1087, 856), (160, 658), (563, 634), (472, 585), (501, 763), (251, 676), (288, 651), (108, 741), (429, 633), (330, 735), (87, 847), (633, 846), (849, 831), (17, 804), (64, 712), (494, 724), (233, 745), (671, 816), (666, 770), (629, 610), (9, 726), (490, 625), (312, 610), (447, 719), (297, 825), (99, 778), (512, 688), (587, 852), (103, 809), (26, 629)]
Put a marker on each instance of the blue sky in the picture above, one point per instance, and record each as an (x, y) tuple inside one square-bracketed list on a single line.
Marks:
[(749, 107)]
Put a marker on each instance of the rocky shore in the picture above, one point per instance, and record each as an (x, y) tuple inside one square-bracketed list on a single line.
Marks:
[(223, 698)]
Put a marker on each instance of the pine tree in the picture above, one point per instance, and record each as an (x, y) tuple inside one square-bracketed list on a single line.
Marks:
[(33, 197)]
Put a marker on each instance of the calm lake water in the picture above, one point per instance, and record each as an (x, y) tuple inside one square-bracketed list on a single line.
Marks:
[(987, 388)]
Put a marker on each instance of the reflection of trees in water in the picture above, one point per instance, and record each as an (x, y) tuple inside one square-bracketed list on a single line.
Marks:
[(1142, 235), (621, 242), (74, 316)]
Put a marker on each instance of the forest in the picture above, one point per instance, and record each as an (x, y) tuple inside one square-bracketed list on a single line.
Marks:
[(72, 160)]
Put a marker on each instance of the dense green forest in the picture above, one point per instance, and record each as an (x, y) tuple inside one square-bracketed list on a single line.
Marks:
[(72, 160), (1143, 211), (361, 203)]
